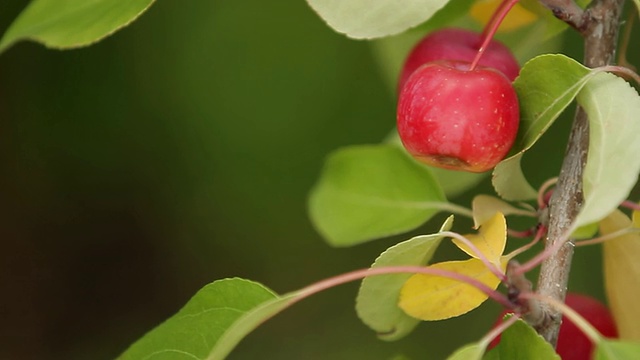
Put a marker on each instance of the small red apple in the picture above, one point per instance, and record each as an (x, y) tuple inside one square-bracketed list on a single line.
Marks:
[(461, 45), (455, 118), (573, 344)]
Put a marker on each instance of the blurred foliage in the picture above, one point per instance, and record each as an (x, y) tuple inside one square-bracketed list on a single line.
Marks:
[(180, 151)]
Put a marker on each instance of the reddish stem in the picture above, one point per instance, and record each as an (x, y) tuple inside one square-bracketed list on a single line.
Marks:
[(495, 332), (621, 71), (540, 231), (543, 194), (542, 256), (478, 254), (603, 238), (362, 273), (630, 205), (521, 234), (491, 28)]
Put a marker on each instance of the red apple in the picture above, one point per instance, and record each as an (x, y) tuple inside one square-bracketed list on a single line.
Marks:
[(461, 45), (455, 118), (573, 344)]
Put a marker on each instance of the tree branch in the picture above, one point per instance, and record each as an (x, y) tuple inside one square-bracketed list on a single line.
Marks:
[(598, 24), (567, 11)]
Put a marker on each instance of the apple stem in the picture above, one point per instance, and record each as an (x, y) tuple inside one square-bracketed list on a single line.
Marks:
[(567, 311), (491, 28), (479, 255)]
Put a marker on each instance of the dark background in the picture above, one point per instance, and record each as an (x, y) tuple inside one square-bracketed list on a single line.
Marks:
[(180, 151)]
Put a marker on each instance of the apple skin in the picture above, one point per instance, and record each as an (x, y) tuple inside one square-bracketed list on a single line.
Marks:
[(453, 118), (573, 344), (460, 45)]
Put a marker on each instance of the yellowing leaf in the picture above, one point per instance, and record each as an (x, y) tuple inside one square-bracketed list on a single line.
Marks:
[(518, 16), (622, 275), (635, 217), (485, 207), (430, 297), (490, 240)]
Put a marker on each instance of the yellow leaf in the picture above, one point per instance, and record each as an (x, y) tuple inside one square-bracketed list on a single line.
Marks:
[(518, 16), (622, 275), (635, 217), (430, 297), (484, 207), (490, 240)]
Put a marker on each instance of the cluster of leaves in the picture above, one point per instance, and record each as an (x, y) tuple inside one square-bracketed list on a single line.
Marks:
[(373, 191)]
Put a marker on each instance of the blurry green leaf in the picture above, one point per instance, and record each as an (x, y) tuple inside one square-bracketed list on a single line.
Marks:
[(468, 352), (546, 86), (368, 192), (390, 52), (617, 350), (204, 323), (637, 2), (533, 40), (622, 274), (367, 19), (65, 24), (585, 231), (520, 341), (613, 163), (553, 26), (492, 354), (377, 301), (452, 182)]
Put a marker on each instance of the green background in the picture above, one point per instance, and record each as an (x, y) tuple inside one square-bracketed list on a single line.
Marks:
[(180, 151)]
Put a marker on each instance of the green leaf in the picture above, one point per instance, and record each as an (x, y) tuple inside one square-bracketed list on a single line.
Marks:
[(552, 25), (546, 86), (452, 182), (585, 231), (616, 350), (493, 354), (521, 341), (468, 352), (372, 191), (205, 322), (65, 24), (367, 19), (509, 181), (377, 300), (613, 163)]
